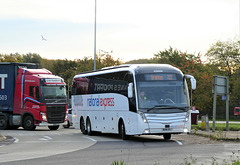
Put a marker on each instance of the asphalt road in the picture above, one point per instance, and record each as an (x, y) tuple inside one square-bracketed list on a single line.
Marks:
[(69, 146)]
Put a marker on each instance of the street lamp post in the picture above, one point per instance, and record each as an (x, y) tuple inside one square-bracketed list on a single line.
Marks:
[(95, 25)]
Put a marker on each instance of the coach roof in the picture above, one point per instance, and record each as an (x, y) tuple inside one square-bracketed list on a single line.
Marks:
[(139, 68)]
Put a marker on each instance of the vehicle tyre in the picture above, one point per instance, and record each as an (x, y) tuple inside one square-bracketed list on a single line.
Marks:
[(3, 121), (28, 123), (167, 136), (67, 125), (82, 126), (55, 127), (89, 128), (122, 132)]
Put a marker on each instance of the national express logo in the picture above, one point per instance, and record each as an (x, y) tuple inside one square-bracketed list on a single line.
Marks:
[(99, 101)]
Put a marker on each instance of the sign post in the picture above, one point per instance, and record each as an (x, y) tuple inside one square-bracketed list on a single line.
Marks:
[(220, 87)]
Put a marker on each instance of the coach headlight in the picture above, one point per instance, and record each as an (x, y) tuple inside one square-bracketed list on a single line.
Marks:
[(143, 117), (187, 117)]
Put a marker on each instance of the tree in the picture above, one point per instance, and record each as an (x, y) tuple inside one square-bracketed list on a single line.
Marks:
[(170, 56), (107, 60), (191, 64), (11, 57), (235, 81), (32, 58), (226, 55)]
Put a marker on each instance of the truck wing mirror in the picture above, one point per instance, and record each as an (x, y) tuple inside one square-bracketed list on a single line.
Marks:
[(192, 80), (130, 90)]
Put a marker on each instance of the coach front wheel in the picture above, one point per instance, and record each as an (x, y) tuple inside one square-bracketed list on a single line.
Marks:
[(167, 136), (122, 132)]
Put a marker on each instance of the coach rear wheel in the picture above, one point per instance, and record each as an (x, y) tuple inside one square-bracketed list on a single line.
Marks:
[(82, 126), (89, 128)]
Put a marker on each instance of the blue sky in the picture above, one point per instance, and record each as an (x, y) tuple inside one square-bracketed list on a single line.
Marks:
[(131, 28)]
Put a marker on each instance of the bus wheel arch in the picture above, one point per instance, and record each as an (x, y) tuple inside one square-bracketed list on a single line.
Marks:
[(122, 130), (82, 125)]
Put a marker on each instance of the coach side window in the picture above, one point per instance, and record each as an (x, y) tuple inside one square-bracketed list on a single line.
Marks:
[(132, 101), (76, 90)]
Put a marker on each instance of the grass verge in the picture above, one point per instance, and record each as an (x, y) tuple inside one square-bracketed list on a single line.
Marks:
[(219, 126)]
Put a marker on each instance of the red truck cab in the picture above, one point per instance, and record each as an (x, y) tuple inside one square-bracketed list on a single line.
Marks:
[(39, 100)]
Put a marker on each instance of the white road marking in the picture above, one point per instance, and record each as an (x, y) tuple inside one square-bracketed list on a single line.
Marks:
[(180, 143), (16, 140), (86, 137), (45, 138)]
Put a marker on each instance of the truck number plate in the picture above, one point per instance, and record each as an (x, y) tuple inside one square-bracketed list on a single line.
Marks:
[(3, 97)]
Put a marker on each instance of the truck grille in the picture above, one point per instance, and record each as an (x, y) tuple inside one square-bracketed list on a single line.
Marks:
[(56, 114)]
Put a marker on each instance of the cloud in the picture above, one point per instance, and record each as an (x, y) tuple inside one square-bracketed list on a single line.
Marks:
[(62, 10), (132, 28)]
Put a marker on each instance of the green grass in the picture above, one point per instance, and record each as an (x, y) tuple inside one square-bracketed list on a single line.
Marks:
[(219, 126), (236, 162), (115, 162)]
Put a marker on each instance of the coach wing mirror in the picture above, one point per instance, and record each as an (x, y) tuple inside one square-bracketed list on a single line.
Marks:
[(192, 80), (130, 90)]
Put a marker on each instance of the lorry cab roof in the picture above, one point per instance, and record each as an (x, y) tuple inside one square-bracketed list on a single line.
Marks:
[(34, 71)]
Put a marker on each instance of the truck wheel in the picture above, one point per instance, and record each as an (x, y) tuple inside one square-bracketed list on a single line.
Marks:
[(122, 132), (3, 121), (55, 127), (28, 123), (67, 125)]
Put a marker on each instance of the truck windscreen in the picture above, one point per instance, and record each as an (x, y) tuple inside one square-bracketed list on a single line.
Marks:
[(53, 93)]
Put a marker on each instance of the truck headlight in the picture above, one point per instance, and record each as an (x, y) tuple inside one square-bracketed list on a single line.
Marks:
[(44, 117), (66, 117)]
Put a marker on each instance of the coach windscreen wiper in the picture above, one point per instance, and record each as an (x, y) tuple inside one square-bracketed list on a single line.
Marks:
[(166, 107)]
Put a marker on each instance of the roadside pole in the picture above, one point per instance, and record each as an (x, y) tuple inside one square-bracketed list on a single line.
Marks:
[(227, 105), (214, 107), (220, 87)]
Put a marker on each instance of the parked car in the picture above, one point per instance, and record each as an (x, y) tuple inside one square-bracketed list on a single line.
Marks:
[(69, 118), (237, 111)]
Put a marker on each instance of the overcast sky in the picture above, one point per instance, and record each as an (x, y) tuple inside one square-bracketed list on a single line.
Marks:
[(132, 29)]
